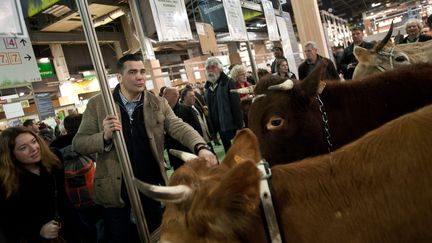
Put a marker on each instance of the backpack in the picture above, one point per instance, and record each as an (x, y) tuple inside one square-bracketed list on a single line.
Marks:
[(79, 176)]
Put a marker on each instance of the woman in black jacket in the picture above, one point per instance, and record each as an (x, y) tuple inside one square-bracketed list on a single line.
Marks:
[(33, 202)]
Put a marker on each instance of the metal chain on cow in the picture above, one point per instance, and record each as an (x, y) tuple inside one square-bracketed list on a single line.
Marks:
[(325, 123)]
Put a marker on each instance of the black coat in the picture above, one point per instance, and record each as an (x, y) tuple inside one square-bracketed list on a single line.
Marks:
[(330, 73), (349, 58), (62, 141), (202, 107), (224, 107), (24, 213), (187, 114), (421, 38)]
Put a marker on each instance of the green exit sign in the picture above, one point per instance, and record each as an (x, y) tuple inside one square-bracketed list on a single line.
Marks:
[(46, 70)]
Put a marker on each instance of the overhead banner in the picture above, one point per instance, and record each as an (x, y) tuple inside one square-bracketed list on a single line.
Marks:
[(171, 20), (11, 19), (36, 6), (270, 17), (236, 23)]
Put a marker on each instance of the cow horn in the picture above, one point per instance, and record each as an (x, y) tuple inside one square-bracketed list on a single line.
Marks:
[(167, 194), (185, 156), (245, 90), (257, 97), (380, 46), (286, 85)]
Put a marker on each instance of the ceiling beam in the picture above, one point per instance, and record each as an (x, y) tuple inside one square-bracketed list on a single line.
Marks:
[(45, 38)]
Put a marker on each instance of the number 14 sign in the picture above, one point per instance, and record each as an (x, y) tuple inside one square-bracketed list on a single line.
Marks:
[(17, 62)]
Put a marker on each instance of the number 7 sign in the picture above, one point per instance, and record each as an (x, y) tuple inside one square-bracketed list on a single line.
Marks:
[(4, 59)]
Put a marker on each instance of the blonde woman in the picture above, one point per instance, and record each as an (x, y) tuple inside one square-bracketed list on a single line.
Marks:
[(239, 75)]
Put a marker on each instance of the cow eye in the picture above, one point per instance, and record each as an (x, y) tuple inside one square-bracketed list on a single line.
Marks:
[(274, 123), (401, 59)]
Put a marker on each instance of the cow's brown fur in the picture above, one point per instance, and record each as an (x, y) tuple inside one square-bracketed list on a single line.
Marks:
[(376, 189), (353, 108), (369, 60)]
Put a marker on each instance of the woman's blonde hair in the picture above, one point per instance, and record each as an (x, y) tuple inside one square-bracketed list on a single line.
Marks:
[(236, 71), (9, 165)]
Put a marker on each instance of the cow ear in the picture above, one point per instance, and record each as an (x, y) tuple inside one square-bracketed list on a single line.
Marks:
[(245, 147), (236, 196), (238, 193), (310, 85), (363, 55)]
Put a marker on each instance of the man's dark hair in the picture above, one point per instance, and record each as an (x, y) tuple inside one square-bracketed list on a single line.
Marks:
[(28, 122), (126, 58), (72, 122), (357, 28), (277, 48), (161, 91), (184, 92)]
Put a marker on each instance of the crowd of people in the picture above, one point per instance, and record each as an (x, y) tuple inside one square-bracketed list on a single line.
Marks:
[(36, 201)]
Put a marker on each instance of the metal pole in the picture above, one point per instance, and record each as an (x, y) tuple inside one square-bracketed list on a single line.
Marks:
[(252, 61), (109, 104), (146, 46)]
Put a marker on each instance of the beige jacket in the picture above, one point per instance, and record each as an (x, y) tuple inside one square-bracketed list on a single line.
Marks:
[(108, 176)]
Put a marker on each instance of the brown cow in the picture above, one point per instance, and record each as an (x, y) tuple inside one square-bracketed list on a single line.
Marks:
[(376, 189), (289, 124)]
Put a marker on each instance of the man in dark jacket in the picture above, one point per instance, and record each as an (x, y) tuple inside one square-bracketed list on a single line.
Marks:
[(278, 54), (349, 61), (413, 28), (187, 115), (189, 98), (224, 107), (313, 60)]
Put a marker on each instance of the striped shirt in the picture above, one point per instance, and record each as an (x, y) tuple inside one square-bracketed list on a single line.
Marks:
[(130, 105)]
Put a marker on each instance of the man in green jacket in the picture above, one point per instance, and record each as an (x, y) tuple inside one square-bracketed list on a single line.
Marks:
[(143, 118)]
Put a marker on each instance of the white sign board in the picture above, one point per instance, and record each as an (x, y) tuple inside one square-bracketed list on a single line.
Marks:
[(270, 20), (286, 45), (11, 19), (171, 20), (17, 59), (13, 110), (235, 21), (17, 62)]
